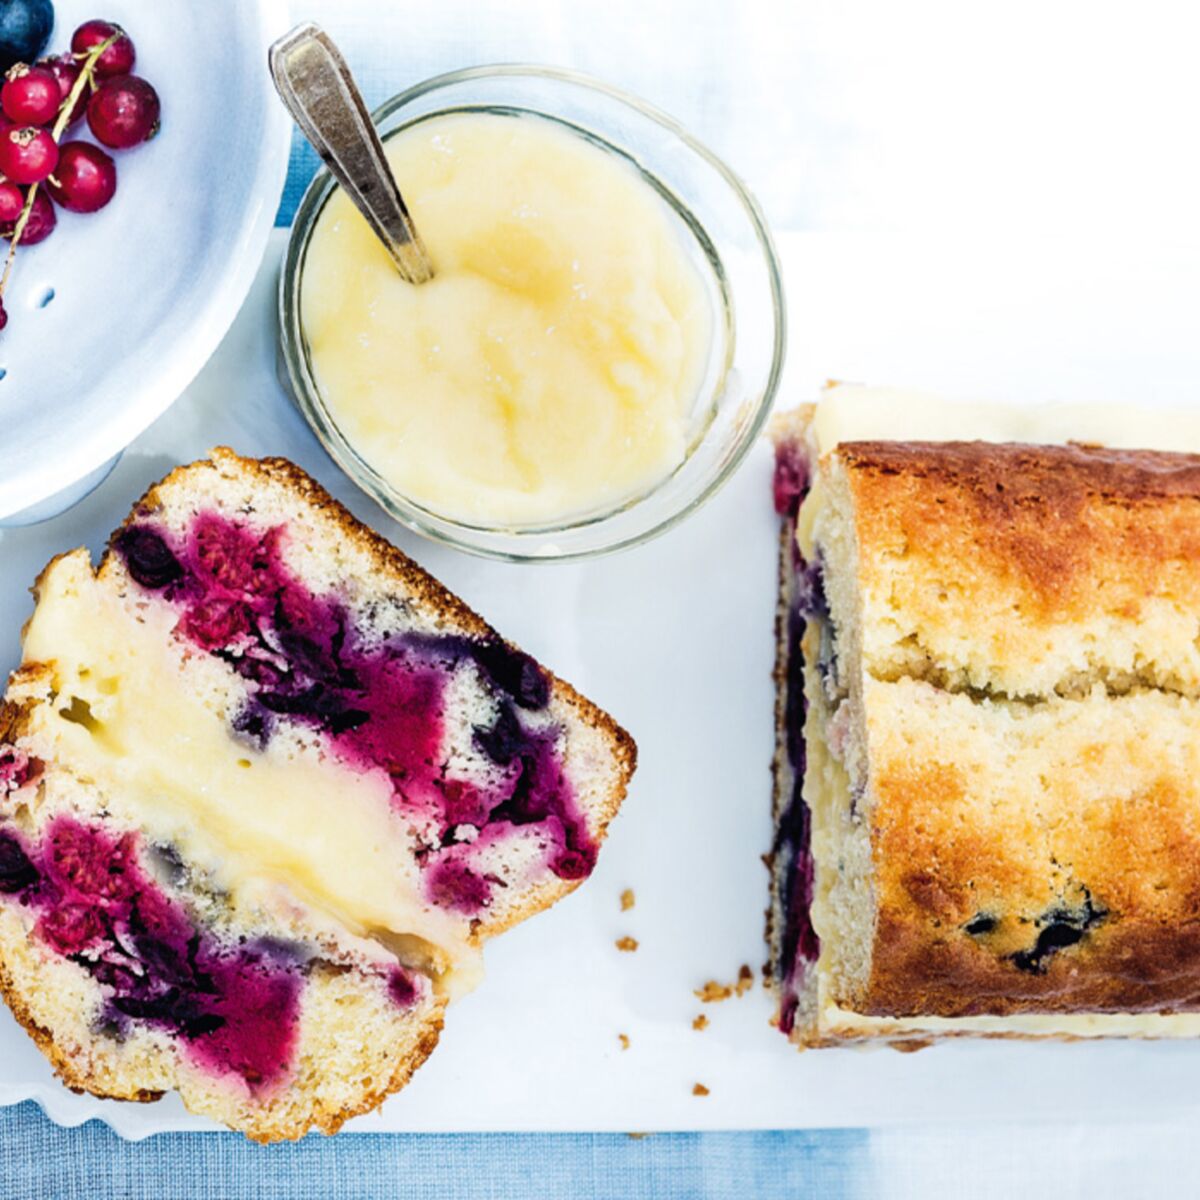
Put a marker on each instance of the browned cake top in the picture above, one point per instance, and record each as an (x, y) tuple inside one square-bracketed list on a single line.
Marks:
[(1029, 569), (1030, 622)]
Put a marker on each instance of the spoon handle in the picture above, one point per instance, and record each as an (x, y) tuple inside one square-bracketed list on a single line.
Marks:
[(316, 86)]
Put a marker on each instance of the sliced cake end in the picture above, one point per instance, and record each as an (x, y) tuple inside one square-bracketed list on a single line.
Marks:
[(309, 756), (998, 735)]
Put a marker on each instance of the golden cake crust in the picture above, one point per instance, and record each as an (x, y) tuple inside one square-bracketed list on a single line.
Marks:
[(1030, 619), (991, 826), (1027, 569)]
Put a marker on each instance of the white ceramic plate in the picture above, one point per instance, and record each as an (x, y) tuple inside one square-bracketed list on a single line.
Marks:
[(144, 290), (675, 639)]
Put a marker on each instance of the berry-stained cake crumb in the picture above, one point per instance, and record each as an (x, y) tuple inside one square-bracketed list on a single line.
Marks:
[(627, 944)]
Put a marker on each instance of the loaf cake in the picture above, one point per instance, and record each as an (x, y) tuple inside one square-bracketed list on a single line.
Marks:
[(987, 778), (266, 788)]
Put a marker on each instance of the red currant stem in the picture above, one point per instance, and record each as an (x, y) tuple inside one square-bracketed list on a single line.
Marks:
[(64, 115), (82, 80), (18, 229)]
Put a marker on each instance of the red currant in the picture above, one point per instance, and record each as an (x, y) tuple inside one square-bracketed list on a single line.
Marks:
[(30, 95), (12, 200), (123, 112), (3, 315), (85, 179), (66, 71), (40, 225), (118, 59), (27, 155)]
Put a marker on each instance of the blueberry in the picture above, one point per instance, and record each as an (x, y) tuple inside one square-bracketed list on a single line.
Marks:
[(147, 557), (16, 871), (172, 1007), (515, 672), (252, 726), (306, 654), (152, 1008), (980, 923), (1056, 936), (504, 740), (200, 1024), (1059, 928), (810, 590), (162, 960), (318, 702), (25, 27)]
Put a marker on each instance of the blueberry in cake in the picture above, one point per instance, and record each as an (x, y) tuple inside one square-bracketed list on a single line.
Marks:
[(265, 790), (987, 775)]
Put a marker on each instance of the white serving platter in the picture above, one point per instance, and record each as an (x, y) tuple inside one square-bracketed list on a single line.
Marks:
[(114, 314), (675, 639)]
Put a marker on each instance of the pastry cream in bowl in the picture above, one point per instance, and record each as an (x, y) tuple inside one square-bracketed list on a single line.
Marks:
[(552, 364), (599, 344)]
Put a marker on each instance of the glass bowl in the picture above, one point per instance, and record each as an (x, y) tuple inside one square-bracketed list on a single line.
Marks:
[(725, 229)]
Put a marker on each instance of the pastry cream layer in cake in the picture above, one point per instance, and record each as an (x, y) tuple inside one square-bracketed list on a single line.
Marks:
[(261, 820), (550, 367), (857, 413)]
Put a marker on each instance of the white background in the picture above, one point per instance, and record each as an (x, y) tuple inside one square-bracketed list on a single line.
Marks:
[(947, 116), (996, 199)]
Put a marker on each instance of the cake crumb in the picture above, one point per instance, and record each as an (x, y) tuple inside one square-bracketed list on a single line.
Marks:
[(627, 900), (700, 1022), (713, 991), (623, 1038), (637, 1137), (699, 1089), (911, 1046), (627, 944), (745, 980)]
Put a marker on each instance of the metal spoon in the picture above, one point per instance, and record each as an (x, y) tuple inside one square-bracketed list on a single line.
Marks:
[(316, 85)]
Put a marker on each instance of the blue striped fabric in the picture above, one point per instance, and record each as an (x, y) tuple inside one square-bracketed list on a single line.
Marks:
[(301, 168), (37, 1159)]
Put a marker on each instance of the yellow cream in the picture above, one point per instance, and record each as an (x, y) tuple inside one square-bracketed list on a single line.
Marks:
[(552, 365), (269, 825), (854, 412)]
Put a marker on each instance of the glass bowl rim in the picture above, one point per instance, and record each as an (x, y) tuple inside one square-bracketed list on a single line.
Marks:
[(454, 533)]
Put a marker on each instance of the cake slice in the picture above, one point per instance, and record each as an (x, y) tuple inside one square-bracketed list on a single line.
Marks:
[(988, 769), (266, 788)]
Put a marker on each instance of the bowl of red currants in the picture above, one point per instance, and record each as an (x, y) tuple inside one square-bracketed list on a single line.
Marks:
[(142, 156)]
